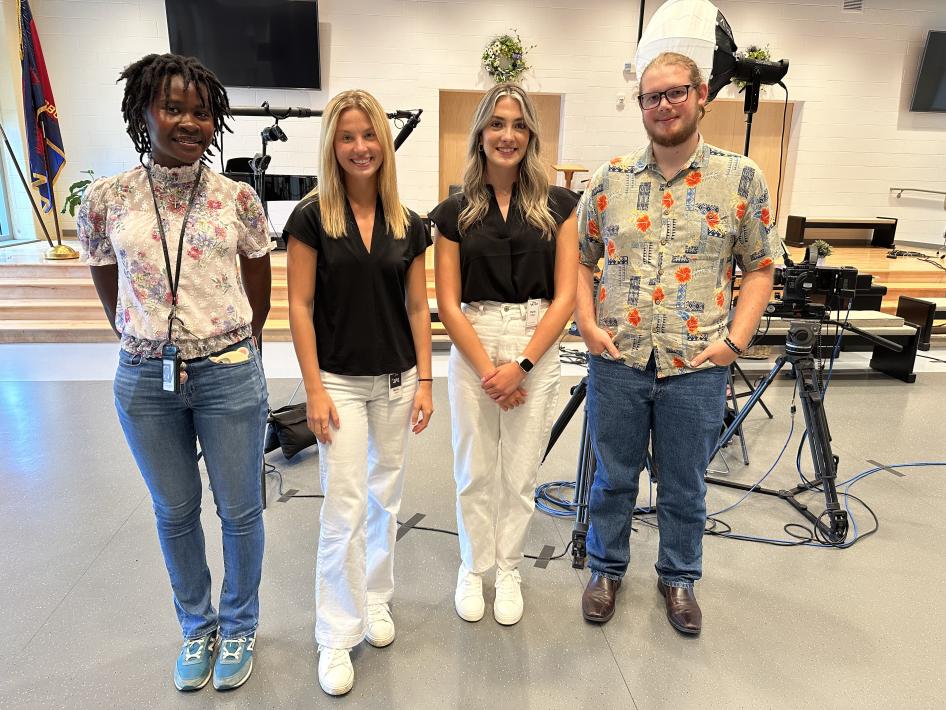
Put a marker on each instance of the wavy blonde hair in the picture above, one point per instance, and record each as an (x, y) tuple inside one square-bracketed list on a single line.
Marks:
[(331, 188), (533, 178)]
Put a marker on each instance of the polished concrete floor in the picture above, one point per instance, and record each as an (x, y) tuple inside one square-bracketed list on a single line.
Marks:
[(88, 622)]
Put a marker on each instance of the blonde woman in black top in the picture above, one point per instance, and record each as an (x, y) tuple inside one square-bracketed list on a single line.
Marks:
[(506, 271), (361, 330)]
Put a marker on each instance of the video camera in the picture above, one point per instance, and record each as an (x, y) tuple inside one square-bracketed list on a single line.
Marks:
[(801, 281)]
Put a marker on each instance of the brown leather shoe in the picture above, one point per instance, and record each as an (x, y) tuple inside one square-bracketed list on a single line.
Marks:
[(597, 601), (683, 612)]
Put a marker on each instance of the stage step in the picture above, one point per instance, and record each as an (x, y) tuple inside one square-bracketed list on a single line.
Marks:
[(55, 301), (97, 331), (913, 288)]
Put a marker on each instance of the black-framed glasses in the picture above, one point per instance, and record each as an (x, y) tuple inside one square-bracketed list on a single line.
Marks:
[(674, 95)]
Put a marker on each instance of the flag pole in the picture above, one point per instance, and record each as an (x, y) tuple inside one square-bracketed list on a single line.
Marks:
[(60, 251), (26, 187)]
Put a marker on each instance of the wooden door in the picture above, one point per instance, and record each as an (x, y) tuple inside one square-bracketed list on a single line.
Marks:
[(456, 117), (725, 127)]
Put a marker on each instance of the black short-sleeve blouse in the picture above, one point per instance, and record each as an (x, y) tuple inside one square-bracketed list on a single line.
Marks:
[(506, 260), (360, 314)]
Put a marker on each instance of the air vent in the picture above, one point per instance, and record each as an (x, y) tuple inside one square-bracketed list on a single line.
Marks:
[(852, 5)]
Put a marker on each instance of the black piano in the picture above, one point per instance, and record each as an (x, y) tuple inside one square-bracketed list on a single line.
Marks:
[(279, 187)]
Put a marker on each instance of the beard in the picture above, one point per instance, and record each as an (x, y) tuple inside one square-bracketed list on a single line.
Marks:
[(678, 137)]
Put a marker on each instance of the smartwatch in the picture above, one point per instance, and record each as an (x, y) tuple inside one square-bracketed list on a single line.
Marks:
[(524, 363)]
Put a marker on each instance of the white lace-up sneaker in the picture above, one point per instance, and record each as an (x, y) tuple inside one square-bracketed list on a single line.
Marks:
[(507, 607), (380, 626), (468, 599), (336, 675)]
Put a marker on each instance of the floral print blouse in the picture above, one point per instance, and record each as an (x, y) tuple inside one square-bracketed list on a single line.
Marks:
[(668, 246), (117, 225)]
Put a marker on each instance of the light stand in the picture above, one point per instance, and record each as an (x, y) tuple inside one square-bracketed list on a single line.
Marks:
[(260, 162), (585, 475)]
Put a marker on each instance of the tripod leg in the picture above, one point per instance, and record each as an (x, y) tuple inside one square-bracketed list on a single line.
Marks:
[(819, 440), (574, 402), (583, 480), (751, 388), (756, 396), (735, 408)]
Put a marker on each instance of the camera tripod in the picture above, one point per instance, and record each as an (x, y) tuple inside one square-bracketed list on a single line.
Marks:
[(802, 335), (832, 524)]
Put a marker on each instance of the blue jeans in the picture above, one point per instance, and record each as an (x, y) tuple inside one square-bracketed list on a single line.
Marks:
[(683, 415), (225, 407)]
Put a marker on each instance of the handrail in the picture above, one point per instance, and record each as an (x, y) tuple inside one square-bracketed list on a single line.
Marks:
[(901, 190)]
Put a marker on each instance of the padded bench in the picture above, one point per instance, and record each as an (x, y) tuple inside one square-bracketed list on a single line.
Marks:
[(885, 228)]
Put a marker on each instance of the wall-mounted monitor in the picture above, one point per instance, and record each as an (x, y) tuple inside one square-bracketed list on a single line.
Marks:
[(254, 43), (930, 91)]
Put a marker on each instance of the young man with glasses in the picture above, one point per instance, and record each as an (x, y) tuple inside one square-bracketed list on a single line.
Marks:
[(668, 220)]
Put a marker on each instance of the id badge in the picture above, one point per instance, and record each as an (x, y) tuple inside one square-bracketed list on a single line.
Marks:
[(394, 386), (532, 312), (171, 368)]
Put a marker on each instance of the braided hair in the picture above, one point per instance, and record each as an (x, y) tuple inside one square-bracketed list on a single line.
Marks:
[(153, 73)]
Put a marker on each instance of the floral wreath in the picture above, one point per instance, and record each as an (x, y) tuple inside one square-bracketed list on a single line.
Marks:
[(504, 58)]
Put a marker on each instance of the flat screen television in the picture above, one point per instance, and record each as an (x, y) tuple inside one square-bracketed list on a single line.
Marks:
[(930, 91), (255, 43)]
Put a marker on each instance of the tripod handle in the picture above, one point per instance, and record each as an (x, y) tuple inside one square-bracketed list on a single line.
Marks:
[(876, 339)]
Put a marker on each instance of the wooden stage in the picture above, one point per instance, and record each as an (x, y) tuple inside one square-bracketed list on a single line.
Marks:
[(55, 302)]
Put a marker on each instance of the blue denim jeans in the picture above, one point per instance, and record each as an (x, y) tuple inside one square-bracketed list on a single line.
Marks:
[(683, 415), (224, 406)]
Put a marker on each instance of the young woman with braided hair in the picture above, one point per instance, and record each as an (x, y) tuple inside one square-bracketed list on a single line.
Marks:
[(163, 241)]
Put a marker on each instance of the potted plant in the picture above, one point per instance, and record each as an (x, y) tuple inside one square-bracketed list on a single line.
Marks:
[(823, 248), (76, 191)]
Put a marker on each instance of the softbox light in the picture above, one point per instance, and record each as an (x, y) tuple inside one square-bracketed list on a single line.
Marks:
[(696, 29)]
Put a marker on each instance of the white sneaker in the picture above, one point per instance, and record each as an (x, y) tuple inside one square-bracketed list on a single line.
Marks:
[(380, 626), (468, 599), (336, 675), (507, 607)]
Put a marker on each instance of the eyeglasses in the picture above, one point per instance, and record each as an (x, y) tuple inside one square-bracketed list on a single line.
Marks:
[(674, 95)]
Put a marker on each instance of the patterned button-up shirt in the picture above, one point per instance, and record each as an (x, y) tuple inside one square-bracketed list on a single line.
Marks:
[(668, 248)]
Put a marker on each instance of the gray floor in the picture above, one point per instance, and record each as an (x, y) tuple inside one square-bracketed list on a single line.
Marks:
[(88, 622)]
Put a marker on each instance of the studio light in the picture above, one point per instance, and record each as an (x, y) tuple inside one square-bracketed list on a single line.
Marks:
[(697, 29)]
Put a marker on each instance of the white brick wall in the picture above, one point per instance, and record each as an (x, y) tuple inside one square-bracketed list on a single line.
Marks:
[(852, 74)]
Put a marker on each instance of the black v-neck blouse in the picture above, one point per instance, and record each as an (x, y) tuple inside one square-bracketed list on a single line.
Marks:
[(360, 313), (506, 260)]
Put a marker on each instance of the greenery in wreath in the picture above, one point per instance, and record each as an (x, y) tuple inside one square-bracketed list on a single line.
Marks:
[(504, 58)]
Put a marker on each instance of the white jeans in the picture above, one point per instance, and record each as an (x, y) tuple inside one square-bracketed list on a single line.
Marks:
[(362, 479), (496, 454)]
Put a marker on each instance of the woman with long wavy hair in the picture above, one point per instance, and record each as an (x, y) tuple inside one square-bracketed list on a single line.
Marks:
[(506, 272), (361, 331)]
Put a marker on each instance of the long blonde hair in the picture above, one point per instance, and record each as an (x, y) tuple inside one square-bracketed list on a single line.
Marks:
[(533, 179), (331, 187)]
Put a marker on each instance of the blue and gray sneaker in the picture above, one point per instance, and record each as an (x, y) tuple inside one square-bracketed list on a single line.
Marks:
[(234, 662), (195, 662)]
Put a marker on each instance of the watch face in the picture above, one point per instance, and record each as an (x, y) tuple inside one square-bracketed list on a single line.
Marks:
[(525, 363)]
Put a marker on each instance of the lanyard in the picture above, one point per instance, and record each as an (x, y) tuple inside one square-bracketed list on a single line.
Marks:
[(176, 280)]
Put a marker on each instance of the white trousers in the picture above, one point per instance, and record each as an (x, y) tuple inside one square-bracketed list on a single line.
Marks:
[(496, 454), (362, 475)]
